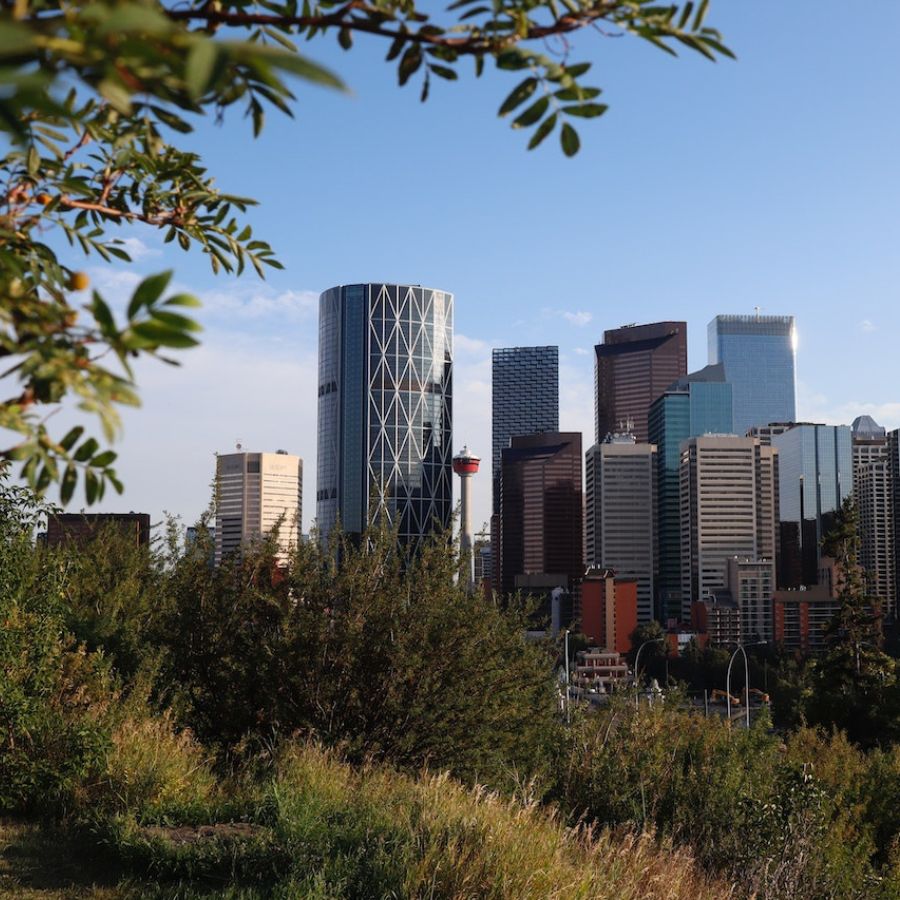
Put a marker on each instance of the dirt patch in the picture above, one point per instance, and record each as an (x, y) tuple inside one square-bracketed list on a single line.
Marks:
[(196, 834)]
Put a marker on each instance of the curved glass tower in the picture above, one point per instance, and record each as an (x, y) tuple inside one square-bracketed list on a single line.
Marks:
[(385, 408)]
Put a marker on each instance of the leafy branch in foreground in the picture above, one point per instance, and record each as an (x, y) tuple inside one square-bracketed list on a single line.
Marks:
[(93, 94)]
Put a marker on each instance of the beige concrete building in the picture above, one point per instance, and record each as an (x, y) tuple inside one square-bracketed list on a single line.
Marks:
[(255, 493), (751, 583), (873, 487), (620, 477), (729, 508)]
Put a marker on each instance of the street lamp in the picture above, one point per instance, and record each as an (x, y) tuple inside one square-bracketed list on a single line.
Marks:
[(740, 649), (637, 660)]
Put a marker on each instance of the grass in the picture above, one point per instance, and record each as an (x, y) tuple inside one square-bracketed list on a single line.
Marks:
[(333, 831), (38, 863)]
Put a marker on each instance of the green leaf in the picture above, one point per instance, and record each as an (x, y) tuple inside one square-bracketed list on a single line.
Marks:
[(182, 300), (409, 63), (86, 450), (102, 460), (173, 320), (518, 95), (71, 438), (154, 334), (34, 161), (532, 114), (542, 131), (69, 480), (345, 38), (90, 486), (103, 315), (569, 140), (514, 59), (15, 39), (198, 69), (148, 292), (586, 110), (444, 72)]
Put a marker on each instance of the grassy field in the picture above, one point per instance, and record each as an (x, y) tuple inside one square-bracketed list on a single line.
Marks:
[(318, 828), (43, 864)]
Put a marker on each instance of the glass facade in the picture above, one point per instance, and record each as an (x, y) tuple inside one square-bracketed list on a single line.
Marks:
[(815, 475), (524, 398), (758, 353), (698, 404), (385, 408)]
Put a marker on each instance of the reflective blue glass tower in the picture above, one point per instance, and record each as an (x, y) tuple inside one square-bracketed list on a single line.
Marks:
[(758, 353), (385, 408), (697, 404)]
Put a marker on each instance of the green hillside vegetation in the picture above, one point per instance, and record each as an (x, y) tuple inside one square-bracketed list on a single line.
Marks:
[(367, 729)]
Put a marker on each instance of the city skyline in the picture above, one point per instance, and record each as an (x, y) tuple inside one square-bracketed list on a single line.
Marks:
[(741, 225)]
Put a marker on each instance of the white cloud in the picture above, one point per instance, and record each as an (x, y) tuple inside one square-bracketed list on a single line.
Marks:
[(814, 406), (866, 326), (579, 319), (137, 249), (580, 351), (471, 346)]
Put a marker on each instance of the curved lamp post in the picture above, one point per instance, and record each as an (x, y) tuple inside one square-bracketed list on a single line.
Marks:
[(740, 649), (637, 659)]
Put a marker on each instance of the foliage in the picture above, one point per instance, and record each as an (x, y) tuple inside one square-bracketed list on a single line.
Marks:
[(383, 655), (93, 95), (780, 819)]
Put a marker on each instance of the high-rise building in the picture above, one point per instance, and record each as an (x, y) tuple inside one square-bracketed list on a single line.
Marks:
[(541, 517), (524, 398), (608, 609), (620, 481), (728, 509), (385, 409), (870, 443), (751, 583), (874, 494), (815, 475), (758, 353), (765, 433), (255, 493), (81, 528), (633, 366), (696, 404)]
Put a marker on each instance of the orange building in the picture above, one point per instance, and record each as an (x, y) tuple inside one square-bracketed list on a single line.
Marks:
[(608, 609)]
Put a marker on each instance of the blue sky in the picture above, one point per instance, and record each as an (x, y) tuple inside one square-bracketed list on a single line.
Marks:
[(706, 189)]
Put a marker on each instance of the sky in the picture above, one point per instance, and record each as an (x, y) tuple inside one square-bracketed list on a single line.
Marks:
[(773, 181)]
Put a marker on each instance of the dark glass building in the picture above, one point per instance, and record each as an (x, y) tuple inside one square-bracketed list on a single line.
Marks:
[(385, 408), (815, 475), (758, 353), (524, 398), (541, 509), (634, 365), (695, 405)]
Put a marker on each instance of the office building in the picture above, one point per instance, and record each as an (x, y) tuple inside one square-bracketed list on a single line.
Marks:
[(633, 366), (694, 405), (620, 481), (541, 516), (800, 616), (729, 508), (255, 494), (718, 617), (815, 475), (608, 609), (874, 494), (524, 398), (758, 353), (870, 443), (751, 583), (385, 409), (81, 528), (765, 433)]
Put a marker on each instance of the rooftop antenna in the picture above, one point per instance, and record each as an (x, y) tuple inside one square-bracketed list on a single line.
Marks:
[(758, 311), (238, 444)]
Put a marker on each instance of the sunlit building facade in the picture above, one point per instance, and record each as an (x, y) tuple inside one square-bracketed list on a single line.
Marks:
[(385, 409)]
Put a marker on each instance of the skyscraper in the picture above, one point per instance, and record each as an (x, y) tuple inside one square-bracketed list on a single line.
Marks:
[(254, 493), (541, 516), (524, 398), (815, 475), (870, 443), (385, 408), (728, 509), (696, 404), (873, 491), (633, 366), (758, 353), (620, 482)]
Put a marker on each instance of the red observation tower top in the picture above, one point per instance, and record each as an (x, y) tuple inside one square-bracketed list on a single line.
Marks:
[(465, 463)]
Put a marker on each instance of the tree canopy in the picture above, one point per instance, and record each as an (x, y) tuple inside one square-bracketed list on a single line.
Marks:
[(93, 98)]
